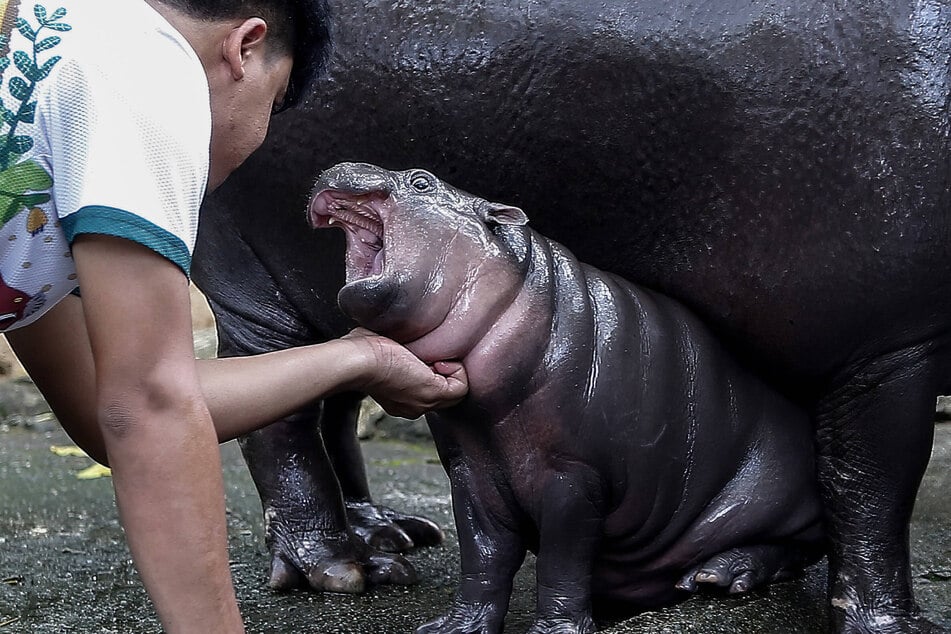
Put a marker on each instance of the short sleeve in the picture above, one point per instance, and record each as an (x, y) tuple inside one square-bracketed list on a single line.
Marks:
[(129, 141)]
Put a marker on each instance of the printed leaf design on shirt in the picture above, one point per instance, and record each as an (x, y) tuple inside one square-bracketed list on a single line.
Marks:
[(23, 186), (48, 43), (25, 29), (33, 71)]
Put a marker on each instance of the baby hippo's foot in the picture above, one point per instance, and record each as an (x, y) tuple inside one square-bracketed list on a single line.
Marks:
[(386, 529), (467, 617), (582, 625), (743, 569)]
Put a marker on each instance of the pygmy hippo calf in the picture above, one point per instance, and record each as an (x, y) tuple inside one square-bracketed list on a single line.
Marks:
[(605, 428)]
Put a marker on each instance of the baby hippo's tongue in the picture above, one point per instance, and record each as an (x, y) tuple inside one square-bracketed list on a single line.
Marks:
[(364, 254)]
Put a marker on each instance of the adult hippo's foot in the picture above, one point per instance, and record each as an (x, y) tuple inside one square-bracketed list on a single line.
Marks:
[(333, 563), (893, 619), (379, 526), (897, 625), (563, 626), (308, 532), (913, 625), (388, 530), (874, 436), (744, 569)]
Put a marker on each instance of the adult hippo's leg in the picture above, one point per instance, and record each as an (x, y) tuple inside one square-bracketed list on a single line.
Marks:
[(875, 434), (380, 526), (309, 537), (306, 528)]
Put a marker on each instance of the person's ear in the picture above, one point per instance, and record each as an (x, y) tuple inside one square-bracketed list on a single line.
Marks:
[(243, 40)]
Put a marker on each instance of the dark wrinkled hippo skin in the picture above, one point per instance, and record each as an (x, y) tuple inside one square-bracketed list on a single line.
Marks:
[(780, 168), (605, 428), (322, 528)]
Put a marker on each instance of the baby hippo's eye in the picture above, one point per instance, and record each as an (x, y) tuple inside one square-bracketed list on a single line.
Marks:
[(421, 181)]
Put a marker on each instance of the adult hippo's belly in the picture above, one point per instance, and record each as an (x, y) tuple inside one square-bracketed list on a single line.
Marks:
[(781, 168)]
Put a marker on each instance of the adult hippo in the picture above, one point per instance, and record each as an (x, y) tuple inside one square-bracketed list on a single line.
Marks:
[(780, 168), (605, 428)]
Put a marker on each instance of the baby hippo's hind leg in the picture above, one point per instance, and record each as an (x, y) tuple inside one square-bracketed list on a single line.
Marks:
[(745, 568), (771, 508)]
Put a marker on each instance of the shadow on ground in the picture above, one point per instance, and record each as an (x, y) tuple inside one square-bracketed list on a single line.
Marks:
[(64, 566)]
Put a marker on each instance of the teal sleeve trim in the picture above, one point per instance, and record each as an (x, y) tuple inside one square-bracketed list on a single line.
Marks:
[(122, 224)]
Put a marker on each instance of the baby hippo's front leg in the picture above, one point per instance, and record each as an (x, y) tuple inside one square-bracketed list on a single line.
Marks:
[(491, 552), (569, 530)]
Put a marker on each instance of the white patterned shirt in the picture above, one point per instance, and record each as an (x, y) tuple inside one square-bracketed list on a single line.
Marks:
[(105, 127)]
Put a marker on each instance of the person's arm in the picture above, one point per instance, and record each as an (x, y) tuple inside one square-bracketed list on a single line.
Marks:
[(241, 393), (157, 431), (245, 393)]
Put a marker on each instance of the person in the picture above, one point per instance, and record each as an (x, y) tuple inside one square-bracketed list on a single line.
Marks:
[(117, 117)]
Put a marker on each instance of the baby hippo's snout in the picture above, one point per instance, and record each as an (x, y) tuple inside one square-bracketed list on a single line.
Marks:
[(412, 244), (355, 178)]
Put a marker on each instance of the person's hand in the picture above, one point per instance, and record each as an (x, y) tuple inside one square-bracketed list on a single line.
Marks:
[(402, 384)]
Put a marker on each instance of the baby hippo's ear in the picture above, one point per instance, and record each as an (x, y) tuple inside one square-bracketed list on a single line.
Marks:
[(499, 214)]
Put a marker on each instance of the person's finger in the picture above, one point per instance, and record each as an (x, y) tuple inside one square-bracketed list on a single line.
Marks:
[(449, 368), (460, 380), (454, 373), (454, 390)]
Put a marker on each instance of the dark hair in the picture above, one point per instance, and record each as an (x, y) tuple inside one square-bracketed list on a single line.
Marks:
[(299, 27)]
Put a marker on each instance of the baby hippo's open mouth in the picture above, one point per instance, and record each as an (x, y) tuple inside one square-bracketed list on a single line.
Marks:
[(362, 216)]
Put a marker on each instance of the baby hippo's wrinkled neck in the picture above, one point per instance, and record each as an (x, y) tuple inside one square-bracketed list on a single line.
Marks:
[(500, 324), (480, 304)]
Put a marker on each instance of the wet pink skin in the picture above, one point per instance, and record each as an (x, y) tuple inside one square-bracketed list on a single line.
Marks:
[(468, 307)]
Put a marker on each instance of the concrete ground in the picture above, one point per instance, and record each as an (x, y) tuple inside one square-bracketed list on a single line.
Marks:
[(64, 565)]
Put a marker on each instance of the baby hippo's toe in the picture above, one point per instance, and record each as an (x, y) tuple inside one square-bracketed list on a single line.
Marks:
[(743, 569)]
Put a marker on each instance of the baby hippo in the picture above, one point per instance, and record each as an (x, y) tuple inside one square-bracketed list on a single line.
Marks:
[(605, 429)]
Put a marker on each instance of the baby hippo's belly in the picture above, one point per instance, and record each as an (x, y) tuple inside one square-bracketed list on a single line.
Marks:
[(745, 492), (697, 455)]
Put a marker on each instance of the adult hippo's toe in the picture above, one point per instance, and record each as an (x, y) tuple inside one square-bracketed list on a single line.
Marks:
[(391, 531)]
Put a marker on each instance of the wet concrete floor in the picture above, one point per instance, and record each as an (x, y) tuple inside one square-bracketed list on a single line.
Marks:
[(64, 566)]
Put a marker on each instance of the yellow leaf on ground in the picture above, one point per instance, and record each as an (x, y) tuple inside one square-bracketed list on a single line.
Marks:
[(94, 471), (67, 450)]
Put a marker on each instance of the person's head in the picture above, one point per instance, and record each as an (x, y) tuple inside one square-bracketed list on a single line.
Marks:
[(260, 56), (299, 28)]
